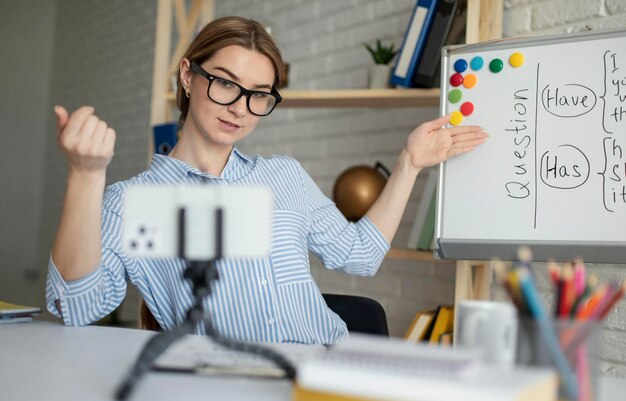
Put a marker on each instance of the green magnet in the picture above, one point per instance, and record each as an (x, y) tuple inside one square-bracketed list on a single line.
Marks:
[(496, 65), (455, 95)]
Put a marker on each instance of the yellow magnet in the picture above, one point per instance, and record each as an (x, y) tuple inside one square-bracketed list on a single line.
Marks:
[(456, 118), (516, 59)]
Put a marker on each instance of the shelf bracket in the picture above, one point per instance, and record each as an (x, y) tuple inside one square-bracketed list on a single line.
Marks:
[(473, 281), (165, 65)]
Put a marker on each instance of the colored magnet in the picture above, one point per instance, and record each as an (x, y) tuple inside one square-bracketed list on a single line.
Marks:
[(456, 79), (455, 95), (469, 81), (467, 108), (496, 65), (456, 118), (460, 65), (516, 59), (477, 63)]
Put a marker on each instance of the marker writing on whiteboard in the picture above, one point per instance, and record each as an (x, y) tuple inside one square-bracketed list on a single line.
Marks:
[(518, 188)]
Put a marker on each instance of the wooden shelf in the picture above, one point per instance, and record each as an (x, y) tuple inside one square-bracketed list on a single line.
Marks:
[(333, 98), (410, 254), (360, 98)]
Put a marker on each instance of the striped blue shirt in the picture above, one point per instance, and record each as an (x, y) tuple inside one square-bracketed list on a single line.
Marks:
[(270, 299)]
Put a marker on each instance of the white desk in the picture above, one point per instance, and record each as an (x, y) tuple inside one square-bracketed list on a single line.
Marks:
[(46, 361)]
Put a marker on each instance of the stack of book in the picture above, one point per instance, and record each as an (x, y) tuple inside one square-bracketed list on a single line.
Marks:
[(434, 24), (11, 313), (432, 326)]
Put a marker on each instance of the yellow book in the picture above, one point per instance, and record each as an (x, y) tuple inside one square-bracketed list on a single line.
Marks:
[(407, 335), (420, 326), (444, 322), (13, 309), (303, 394)]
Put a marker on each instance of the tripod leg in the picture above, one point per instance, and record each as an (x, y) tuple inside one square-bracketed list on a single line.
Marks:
[(151, 351), (265, 352)]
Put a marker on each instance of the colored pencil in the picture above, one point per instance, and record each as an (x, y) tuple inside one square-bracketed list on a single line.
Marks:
[(502, 277), (567, 294), (555, 272), (533, 302), (586, 309), (608, 299), (579, 276), (616, 296), (583, 374)]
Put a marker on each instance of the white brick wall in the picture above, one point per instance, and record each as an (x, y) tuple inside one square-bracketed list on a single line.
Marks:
[(542, 17), (104, 55)]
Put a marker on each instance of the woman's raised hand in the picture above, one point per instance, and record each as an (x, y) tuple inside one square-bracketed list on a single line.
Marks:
[(430, 143), (86, 141)]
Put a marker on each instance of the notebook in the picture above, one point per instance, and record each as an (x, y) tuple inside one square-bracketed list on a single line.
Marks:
[(371, 368), (12, 313)]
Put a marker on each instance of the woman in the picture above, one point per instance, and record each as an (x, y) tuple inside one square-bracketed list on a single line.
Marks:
[(227, 82)]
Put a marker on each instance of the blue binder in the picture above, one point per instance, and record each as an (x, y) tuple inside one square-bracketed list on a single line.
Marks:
[(446, 29), (165, 137), (413, 42)]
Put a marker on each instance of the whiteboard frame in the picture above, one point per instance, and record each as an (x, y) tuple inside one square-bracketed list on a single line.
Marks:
[(477, 249)]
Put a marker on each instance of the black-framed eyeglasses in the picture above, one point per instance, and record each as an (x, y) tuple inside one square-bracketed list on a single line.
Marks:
[(225, 92)]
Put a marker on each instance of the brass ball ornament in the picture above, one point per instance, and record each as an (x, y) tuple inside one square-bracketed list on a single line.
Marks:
[(357, 188)]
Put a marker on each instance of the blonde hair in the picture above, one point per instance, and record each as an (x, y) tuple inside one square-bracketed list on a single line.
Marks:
[(228, 31)]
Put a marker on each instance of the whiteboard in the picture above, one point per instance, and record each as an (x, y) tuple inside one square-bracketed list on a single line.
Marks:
[(552, 174)]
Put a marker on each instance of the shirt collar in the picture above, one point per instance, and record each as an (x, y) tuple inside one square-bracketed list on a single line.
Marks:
[(237, 166)]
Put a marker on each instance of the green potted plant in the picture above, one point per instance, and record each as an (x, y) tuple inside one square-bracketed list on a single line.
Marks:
[(380, 72)]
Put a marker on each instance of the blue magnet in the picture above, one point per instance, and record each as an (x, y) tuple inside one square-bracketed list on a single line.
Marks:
[(460, 65), (477, 63)]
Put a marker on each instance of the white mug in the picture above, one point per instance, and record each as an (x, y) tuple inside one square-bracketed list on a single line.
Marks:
[(490, 326)]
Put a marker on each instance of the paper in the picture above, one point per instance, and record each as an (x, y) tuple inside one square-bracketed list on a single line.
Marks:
[(200, 355), (23, 319)]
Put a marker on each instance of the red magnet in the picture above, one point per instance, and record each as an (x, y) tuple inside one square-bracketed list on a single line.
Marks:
[(456, 79), (467, 108)]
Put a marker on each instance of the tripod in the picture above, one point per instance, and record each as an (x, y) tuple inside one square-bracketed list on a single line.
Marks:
[(201, 274)]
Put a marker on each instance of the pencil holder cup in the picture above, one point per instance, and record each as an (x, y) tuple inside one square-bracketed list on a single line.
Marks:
[(571, 348)]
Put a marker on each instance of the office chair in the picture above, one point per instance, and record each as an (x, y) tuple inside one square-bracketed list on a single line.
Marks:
[(146, 318), (361, 314)]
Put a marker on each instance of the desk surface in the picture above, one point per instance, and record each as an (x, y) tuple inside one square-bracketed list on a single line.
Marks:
[(48, 361)]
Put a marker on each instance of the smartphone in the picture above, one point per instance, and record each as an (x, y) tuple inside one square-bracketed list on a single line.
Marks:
[(152, 221)]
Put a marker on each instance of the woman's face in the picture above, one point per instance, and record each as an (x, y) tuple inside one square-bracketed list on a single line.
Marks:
[(224, 125)]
